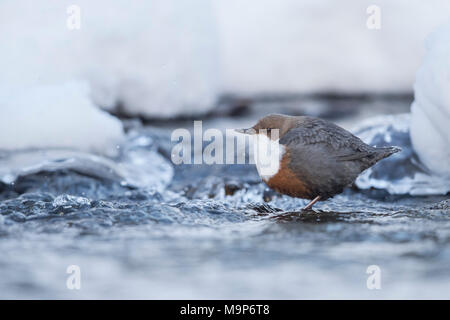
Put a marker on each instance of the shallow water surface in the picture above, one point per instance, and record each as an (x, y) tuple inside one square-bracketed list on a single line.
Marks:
[(211, 232), (142, 244)]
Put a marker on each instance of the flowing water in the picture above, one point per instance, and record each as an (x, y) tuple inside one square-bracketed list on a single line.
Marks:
[(139, 227)]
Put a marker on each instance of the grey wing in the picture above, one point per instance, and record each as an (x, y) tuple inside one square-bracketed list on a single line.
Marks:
[(320, 156), (343, 145), (315, 130)]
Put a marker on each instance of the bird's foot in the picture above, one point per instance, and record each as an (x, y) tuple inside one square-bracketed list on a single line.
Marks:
[(309, 206)]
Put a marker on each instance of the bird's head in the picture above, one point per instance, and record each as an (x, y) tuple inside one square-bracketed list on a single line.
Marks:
[(274, 126)]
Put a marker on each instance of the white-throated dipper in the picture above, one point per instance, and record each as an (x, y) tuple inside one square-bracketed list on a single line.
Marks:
[(317, 158)]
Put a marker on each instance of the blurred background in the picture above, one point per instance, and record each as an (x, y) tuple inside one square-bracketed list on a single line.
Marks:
[(165, 59), (90, 92)]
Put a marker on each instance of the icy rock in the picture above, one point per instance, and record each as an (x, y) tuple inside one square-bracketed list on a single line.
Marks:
[(430, 122), (56, 116), (401, 173), (137, 164)]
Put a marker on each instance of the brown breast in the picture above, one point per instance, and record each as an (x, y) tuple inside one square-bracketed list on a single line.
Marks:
[(286, 182)]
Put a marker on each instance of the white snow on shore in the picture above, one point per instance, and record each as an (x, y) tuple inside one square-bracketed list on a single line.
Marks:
[(430, 122), (58, 116), (168, 58), (155, 58)]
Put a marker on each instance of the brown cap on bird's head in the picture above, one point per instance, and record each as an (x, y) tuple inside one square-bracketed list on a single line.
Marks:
[(265, 125)]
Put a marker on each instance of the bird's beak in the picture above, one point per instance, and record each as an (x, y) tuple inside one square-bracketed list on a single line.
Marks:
[(246, 131)]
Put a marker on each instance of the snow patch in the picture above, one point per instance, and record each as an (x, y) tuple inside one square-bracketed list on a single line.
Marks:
[(56, 116), (154, 58), (430, 122)]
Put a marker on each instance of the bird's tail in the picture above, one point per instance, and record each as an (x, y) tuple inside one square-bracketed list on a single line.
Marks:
[(385, 152)]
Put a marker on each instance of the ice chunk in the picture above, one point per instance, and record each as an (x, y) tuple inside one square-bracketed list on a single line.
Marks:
[(56, 116), (430, 122), (137, 163), (401, 173)]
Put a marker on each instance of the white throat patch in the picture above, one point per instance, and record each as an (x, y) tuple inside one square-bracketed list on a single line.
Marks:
[(267, 154)]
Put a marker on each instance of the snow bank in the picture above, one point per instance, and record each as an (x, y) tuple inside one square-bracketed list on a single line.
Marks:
[(165, 58), (430, 123), (155, 58), (59, 116), (168, 58)]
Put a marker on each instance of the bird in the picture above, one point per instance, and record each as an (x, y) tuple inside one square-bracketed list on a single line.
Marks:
[(316, 160)]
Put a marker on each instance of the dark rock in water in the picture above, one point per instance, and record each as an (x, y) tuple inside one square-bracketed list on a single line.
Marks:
[(231, 187), (263, 208), (269, 194), (324, 106), (231, 106)]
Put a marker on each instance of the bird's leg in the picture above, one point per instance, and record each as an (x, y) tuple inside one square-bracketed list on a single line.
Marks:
[(309, 205)]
